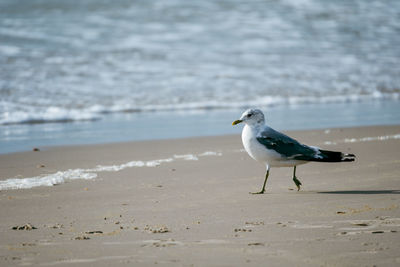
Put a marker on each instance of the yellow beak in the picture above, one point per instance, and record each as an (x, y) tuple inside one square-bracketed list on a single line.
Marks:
[(236, 122)]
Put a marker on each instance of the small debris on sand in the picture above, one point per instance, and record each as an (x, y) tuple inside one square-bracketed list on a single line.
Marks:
[(56, 226), (340, 212), (82, 237), (156, 229), (256, 244), (255, 223), (360, 224), (94, 232), (164, 243), (28, 244), (40, 166), (27, 226), (377, 232), (243, 230), (35, 149)]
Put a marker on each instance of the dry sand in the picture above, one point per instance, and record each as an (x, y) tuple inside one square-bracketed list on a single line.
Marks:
[(200, 212)]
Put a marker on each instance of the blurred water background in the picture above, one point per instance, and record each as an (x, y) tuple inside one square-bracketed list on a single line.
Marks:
[(93, 71)]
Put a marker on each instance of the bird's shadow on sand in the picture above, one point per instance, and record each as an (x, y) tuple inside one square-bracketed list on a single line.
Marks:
[(361, 192)]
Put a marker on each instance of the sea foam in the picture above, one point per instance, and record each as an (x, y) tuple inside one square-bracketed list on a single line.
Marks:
[(29, 115), (364, 139), (87, 174)]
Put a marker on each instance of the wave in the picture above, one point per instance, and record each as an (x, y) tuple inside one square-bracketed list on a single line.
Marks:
[(35, 115), (46, 115)]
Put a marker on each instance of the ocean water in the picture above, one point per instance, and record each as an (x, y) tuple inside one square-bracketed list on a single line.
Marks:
[(90, 64)]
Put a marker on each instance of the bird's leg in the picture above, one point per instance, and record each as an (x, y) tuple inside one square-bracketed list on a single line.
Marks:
[(295, 180), (265, 183)]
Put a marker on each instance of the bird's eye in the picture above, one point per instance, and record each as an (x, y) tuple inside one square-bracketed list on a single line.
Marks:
[(249, 115)]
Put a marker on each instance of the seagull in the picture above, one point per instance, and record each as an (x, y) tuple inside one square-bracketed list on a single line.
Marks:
[(276, 149)]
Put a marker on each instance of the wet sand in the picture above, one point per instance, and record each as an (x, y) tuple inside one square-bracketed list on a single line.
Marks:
[(199, 212)]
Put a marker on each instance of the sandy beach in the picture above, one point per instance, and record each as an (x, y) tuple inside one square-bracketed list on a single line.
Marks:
[(186, 202)]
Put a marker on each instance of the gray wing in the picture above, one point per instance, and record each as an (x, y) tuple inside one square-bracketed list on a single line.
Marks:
[(286, 146)]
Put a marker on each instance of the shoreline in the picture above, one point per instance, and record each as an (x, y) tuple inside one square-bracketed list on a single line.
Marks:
[(114, 162), (172, 125), (199, 212)]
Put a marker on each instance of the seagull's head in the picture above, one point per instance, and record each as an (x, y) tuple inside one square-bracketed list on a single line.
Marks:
[(251, 117)]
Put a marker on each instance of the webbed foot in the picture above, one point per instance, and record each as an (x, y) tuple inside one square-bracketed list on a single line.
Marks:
[(257, 193), (297, 182)]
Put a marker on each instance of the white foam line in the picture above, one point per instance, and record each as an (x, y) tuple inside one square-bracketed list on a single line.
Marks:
[(364, 139), (210, 153), (88, 260), (311, 226), (369, 139), (186, 157), (87, 174)]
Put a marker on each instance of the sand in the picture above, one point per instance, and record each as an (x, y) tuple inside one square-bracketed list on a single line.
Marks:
[(200, 212)]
